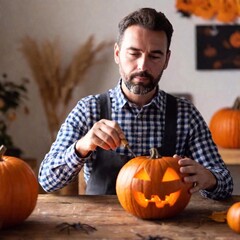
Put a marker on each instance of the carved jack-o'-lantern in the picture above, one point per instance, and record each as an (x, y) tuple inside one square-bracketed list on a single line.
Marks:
[(152, 187)]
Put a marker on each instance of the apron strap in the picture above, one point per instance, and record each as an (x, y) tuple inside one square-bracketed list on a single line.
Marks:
[(105, 106), (170, 134), (107, 164)]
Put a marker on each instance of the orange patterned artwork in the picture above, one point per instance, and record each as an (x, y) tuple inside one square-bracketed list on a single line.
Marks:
[(218, 47)]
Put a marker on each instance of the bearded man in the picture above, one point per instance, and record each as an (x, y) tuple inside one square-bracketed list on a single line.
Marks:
[(139, 114)]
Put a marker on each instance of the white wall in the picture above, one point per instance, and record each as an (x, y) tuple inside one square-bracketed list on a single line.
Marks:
[(72, 21)]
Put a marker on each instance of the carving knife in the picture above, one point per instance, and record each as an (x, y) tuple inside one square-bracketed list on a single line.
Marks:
[(125, 143)]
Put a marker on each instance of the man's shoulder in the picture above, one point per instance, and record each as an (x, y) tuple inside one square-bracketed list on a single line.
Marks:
[(93, 100), (90, 99)]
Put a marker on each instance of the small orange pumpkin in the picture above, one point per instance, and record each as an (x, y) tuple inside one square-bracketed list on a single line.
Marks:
[(225, 126), (235, 39), (152, 187), (233, 217), (18, 190)]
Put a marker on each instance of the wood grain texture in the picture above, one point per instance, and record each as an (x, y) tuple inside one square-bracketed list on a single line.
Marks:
[(112, 222)]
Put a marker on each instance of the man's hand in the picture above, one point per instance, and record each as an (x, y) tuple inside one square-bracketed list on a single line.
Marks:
[(104, 133), (201, 177)]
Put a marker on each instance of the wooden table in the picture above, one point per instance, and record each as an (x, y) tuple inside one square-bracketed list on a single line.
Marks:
[(112, 222)]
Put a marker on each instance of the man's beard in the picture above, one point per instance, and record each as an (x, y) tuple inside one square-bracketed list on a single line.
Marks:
[(140, 88)]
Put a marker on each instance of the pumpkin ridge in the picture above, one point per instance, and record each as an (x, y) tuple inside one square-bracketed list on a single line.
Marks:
[(135, 207), (225, 126), (233, 217)]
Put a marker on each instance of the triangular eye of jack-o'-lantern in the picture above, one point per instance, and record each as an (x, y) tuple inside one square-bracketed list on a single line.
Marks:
[(151, 187)]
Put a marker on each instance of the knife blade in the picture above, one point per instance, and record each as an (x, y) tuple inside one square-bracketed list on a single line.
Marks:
[(125, 143)]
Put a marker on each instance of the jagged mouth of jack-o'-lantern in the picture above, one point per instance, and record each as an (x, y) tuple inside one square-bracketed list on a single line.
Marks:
[(170, 178)]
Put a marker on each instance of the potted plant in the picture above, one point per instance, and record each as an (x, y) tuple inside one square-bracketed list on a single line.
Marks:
[(12, 96)]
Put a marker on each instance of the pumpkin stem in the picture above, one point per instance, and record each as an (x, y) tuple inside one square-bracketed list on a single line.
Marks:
[(154, 153), (236, 104), (3, 149)]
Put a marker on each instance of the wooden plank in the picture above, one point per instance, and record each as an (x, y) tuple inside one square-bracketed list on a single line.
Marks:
[(112, 222), (230, 156)]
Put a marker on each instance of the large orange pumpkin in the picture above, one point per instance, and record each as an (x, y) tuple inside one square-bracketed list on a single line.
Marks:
[(233, 217), (18, 190), (152, 187), (225, 126)]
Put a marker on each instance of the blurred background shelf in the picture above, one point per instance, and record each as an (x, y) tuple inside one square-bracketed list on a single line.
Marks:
[(232, 159), (230, 156)]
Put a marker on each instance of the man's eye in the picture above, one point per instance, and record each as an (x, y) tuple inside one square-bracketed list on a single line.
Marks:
[(155, 56), (134, 54)]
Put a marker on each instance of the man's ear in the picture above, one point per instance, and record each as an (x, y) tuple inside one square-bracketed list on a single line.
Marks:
[(116, 53), (167, 59)]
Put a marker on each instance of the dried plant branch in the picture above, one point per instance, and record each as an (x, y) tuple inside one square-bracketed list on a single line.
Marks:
[(56, 85)]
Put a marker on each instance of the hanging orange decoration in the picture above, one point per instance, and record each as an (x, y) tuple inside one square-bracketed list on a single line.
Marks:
[(204, 9), (223, 10), (227, 11), (187, 6)]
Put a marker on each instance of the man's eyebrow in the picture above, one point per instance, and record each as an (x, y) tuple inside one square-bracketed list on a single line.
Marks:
[(133, 48), (153, 51), (157, 51)]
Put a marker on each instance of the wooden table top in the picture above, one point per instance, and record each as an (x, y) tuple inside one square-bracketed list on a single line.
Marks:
[(111, 222)]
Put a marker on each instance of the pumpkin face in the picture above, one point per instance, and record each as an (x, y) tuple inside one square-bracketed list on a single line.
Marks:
[(152, 188), (157, 196), (18, 190), (225, 126), (233, 217)]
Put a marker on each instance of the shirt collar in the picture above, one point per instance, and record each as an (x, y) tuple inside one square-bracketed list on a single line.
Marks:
[(119, 99)]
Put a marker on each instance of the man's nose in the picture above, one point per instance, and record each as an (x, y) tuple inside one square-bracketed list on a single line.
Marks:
[(142, 63)]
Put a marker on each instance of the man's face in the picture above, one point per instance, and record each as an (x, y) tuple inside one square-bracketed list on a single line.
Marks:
[(142, 58)]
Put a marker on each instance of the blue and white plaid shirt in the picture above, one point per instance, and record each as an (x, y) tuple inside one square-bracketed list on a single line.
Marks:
[(144, 129)]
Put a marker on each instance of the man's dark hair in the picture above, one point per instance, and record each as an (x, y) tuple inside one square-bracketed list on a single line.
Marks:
[(148, 18)]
